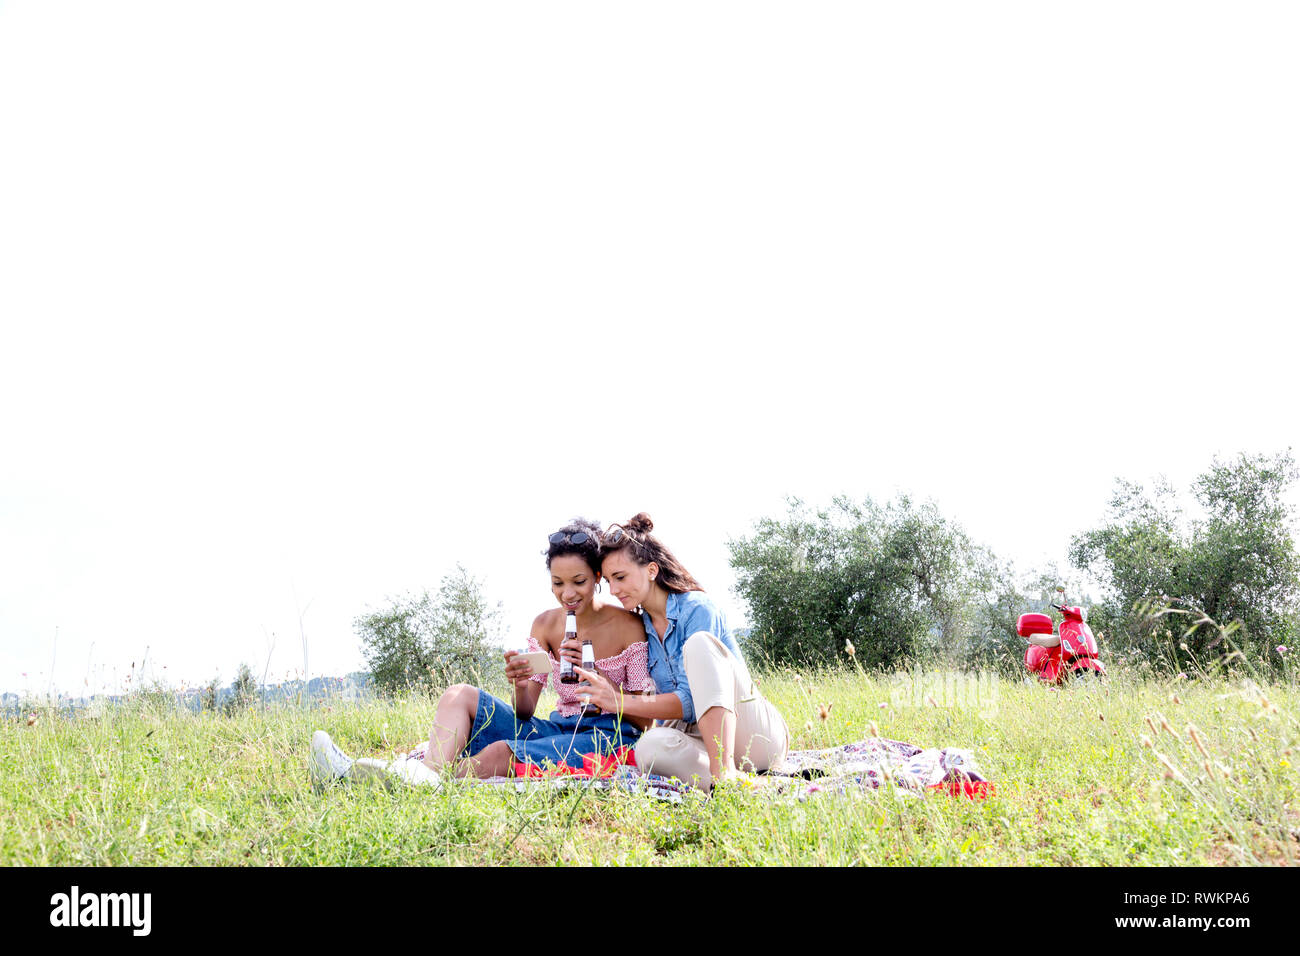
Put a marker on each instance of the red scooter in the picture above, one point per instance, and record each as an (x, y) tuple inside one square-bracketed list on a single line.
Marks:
[(1071, 652)]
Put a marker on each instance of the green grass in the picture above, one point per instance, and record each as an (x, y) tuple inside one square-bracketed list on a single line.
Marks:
[(146, 784)]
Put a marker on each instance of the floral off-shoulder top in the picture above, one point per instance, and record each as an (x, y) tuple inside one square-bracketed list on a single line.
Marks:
[(629, 670)]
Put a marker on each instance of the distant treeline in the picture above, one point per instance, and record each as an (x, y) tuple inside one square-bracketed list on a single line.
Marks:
[(355, 686)]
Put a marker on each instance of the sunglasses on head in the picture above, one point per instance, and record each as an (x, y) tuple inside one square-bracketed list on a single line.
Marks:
[(616, 533), (575, 537)]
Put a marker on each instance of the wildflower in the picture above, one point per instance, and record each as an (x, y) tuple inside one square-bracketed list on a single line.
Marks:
[(1170, 772), (883, 705), (1184, 646), (808, 726), (849, 648), (1181, 676), (1284, 763), (1176, 699), (31, 720), (1145, 741), (824, 710), (871, 726), (798, 678), (1281, 649)]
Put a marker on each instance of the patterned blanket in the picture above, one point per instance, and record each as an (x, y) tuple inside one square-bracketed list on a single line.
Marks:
[(850, 768), (877, 762)]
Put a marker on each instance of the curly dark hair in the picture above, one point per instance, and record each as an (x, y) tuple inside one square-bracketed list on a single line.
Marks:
[(634, 537), (588, 550)]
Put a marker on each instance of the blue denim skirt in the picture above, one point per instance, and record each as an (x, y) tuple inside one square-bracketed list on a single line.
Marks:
[(559, 740)]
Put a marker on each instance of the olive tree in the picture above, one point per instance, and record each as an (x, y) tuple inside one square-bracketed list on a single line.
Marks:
[(1234, 561), (896, 581), (430, 641)]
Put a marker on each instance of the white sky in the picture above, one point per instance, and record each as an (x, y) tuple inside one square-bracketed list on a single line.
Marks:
[(303, 303)]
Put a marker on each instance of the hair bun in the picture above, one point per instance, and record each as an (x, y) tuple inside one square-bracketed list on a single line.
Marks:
[(641, 523)]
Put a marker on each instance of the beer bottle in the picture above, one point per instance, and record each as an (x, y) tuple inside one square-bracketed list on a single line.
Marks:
[(589, 664), (567, 674)]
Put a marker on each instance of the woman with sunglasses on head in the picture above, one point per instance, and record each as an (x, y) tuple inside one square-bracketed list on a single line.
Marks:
[(488, 735), (713, 722)]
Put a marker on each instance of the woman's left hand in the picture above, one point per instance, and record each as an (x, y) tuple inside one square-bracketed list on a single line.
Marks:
[(598, 687)]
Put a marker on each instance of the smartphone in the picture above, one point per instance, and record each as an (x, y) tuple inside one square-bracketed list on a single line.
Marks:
[(538, 661)]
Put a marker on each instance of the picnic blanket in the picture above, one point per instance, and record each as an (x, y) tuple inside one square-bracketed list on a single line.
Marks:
[(856, 767), (877, 762)]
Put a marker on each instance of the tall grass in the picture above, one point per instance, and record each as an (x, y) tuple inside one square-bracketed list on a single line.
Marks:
[(1135, 770)]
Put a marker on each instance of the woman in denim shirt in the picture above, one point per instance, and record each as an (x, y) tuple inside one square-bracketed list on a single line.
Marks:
[(711, 716), (484, 735)]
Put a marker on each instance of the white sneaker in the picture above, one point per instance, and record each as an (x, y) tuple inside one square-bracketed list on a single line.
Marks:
[(415, 772), (328, 763)]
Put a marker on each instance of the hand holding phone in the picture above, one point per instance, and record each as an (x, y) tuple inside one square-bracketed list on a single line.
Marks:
[(526, 664)]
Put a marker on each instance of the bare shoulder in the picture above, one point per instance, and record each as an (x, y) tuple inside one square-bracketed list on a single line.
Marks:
[(548, 627), (626, 626)]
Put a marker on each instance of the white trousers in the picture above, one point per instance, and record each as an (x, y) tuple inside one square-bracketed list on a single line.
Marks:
[(717, 678)]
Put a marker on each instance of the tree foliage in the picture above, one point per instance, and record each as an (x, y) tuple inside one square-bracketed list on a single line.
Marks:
[(208, 698), (431, 641), (1235, 561), (898, 581), (242, 692)]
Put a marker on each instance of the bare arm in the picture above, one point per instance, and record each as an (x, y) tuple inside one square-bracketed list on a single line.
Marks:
[(649, 704), (653, 706)]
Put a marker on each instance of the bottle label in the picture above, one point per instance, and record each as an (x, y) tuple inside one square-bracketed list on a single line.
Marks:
[(570, 632)]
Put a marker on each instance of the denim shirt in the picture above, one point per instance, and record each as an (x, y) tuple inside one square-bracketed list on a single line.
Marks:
[(687, 613)]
